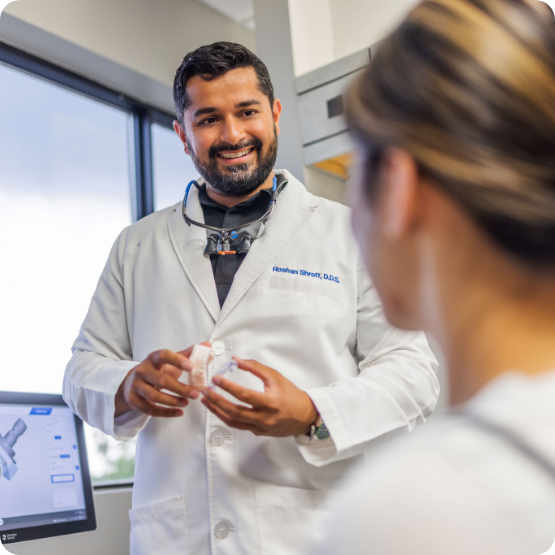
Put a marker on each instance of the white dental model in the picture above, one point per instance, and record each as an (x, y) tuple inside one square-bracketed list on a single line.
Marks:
[(201, 357)]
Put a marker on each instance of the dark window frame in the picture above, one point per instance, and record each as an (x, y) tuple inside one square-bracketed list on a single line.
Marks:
[(144, 115)]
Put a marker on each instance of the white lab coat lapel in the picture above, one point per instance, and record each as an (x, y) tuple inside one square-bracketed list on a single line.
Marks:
[(294, 209), (189, 243)]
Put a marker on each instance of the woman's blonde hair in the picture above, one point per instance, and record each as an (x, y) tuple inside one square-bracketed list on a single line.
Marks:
[(467, 88)]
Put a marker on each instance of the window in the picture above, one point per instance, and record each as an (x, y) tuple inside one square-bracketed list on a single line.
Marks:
[(75, 170), (65, 196), (173, 169)]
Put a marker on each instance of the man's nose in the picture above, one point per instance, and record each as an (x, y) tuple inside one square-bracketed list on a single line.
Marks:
[(232, 132)]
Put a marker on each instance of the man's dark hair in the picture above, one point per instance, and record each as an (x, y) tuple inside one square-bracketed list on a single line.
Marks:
[(212, 61)]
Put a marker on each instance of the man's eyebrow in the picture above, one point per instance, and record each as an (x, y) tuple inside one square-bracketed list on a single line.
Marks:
[(211, 110), (202, 111), (247, 103)]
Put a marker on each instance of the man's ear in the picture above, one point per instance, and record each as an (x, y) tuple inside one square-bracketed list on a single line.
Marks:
[(400, 178), (181, 134), (276, 113)]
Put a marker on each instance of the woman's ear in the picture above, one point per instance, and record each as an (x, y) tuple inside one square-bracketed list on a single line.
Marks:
[(399, 193)]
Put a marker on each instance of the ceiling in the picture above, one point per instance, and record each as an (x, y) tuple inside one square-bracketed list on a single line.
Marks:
[(241, 11)]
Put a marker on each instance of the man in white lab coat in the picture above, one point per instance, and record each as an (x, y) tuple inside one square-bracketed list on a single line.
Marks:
[(245, 469)]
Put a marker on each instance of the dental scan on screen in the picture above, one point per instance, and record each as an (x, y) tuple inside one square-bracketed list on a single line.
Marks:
[(40, 480)]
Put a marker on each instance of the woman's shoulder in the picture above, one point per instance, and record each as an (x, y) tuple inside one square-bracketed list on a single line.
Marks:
[(452, 486), (486, 448)]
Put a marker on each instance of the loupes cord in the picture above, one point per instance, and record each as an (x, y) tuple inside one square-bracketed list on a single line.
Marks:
[(218, 243)]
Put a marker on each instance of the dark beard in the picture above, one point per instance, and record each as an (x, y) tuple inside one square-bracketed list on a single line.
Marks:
[(241, 179)]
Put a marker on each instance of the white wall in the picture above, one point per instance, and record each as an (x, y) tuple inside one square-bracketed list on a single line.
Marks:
[(148, 36), (327, 30), (359, 23), (312, 34)]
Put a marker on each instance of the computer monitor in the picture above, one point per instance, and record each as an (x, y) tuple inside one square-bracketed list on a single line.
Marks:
[(45, 486)]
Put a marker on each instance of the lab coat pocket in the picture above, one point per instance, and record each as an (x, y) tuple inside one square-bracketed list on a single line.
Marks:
[(289, 518), (310, 286), (159, 528)]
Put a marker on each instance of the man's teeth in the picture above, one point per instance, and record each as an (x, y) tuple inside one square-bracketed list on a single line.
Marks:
[(234, 154)]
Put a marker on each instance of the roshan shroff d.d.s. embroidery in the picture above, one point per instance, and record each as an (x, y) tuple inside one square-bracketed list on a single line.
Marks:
[(306, 273)]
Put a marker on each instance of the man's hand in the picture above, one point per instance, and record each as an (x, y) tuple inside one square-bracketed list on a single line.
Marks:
[(283, 409), (141, 389)]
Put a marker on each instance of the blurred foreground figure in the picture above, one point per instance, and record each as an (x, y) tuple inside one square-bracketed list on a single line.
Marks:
[(454, 209)]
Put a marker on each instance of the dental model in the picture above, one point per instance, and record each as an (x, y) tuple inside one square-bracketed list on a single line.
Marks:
[(201, 357)]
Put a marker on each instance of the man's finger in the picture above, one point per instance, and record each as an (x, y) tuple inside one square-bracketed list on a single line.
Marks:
[(140, 404), (249, 396), (161, 412), (162, 380), (165, 356), (231, 410), (225, 418), (256, 369), (154, 396), (172, 371)]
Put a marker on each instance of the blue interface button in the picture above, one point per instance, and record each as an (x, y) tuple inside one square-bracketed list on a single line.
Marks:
[(64, 456), (44, 411), (57, 437)]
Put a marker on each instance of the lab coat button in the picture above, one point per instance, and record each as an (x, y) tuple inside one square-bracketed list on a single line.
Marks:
[(217, 438), (218, 347), (222, 530)]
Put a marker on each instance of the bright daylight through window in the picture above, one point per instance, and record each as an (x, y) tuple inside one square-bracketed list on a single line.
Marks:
[(173, 169), (65, 194)]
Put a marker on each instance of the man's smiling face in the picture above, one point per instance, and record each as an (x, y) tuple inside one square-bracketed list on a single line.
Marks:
[(230, 131)]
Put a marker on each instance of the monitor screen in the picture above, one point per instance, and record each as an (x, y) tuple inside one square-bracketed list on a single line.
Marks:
[(45, 487)]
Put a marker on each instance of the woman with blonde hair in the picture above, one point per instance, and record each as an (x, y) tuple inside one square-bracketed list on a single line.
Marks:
[(454, 210)]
